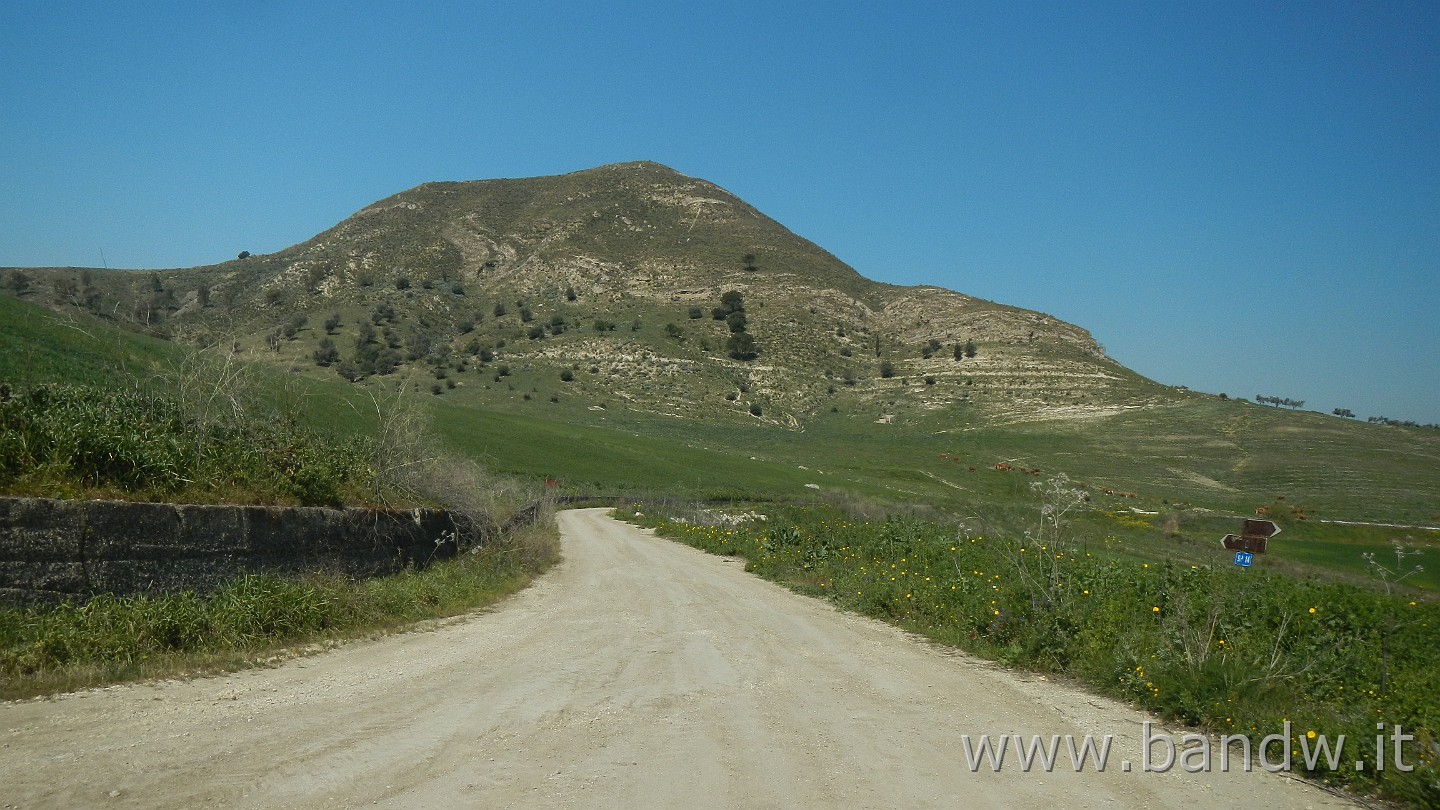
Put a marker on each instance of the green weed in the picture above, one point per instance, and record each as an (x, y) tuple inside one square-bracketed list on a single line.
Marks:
[(109, 639), (1234, 651)]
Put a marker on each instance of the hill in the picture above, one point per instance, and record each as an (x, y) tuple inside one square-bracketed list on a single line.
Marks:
[(547, 317), (616, 275)]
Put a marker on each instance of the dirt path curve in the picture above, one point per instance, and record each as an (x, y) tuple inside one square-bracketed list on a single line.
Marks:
[(639, 674)]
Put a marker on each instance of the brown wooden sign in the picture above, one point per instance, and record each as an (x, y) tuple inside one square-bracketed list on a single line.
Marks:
[(1252, 538)]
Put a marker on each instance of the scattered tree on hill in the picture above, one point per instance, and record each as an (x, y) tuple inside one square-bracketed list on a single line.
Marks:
[(930, 349), (1345, 412), (499, 310), (887, 369), (243, 255), (293, 326), (526, 315), (741, 346), (349, 371), (1278, 401), (1410, 423), (736, 321), (327, 354), (567, 375), (732, 301), (970, 350), (696, 314), (419, 344), (750, 263), (674, 331), (570, 294)]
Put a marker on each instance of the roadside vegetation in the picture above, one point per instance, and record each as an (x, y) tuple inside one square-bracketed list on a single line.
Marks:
[(1234, 651), (254, 621), (87, 411), (77, 441)]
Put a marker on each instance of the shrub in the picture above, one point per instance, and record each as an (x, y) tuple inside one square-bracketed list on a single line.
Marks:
[(741, 346), (327, 354)]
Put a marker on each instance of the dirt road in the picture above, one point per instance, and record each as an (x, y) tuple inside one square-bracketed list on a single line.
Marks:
[(637, 674)]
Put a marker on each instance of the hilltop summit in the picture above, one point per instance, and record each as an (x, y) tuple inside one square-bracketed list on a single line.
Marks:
[(619, 272)]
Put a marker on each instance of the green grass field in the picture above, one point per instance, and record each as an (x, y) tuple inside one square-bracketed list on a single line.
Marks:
[(1201, 461)]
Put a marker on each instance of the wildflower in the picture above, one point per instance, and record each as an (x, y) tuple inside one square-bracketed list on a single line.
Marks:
[(1310, 735), (1154, 610), (1312, 610)]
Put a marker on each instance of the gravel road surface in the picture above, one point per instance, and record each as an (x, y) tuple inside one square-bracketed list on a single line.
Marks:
[(638, 673)]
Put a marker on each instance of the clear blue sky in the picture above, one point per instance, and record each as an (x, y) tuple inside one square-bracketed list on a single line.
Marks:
[(1238, 197)]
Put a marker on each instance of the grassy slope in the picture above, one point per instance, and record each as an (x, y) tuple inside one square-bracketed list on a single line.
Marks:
[(38, 345), (1205, 459)]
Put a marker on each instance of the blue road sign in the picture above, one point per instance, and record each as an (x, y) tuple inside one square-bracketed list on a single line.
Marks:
[(1244, 558)]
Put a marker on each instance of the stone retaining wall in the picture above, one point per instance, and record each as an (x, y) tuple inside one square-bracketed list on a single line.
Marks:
[(51, 550)]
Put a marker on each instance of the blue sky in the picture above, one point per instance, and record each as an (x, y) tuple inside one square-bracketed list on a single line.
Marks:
[(1238, 197)]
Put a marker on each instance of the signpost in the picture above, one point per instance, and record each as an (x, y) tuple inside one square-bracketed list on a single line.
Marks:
[(1251, 541)]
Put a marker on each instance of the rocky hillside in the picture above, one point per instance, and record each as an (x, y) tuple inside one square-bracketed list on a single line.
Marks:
[(613, 285)]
